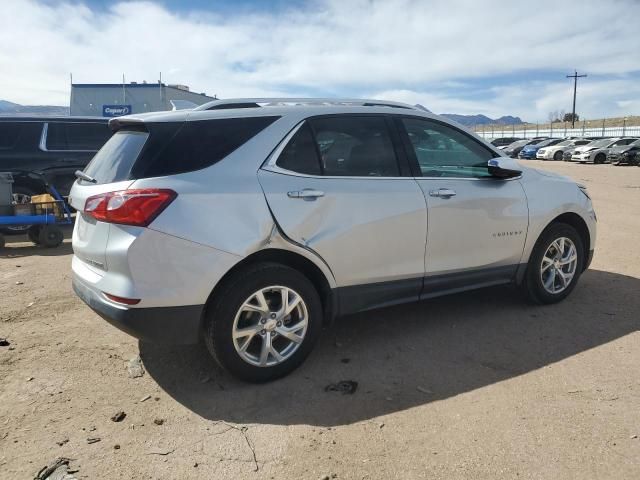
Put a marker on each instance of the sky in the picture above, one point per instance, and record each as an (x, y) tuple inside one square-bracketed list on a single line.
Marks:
[(470, 57)]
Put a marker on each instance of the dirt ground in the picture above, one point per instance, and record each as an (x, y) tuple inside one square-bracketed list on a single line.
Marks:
[(477, 385)]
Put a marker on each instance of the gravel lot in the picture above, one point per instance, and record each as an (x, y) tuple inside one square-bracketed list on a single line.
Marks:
[(477, 385)]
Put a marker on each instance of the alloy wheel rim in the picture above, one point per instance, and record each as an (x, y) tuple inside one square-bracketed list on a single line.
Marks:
[(270, 326), (558, 266)]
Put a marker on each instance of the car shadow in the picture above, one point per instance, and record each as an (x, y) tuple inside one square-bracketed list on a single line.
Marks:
[(18, 246), (408, 355)]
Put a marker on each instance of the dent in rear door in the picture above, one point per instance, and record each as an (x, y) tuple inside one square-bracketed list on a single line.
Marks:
[(366, 230)]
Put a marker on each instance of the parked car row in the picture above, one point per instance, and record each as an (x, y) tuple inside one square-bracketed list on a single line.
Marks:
[(616, 150)]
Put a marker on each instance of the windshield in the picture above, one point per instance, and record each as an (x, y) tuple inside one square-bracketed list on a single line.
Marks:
[(600, 143), (518, 143), (565, 143)]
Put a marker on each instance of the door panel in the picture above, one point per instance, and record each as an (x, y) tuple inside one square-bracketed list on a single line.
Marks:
[(366, 230), (483, 225)]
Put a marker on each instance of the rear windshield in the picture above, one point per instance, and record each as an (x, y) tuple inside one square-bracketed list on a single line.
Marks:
[(77, 136), (171, 148), (114, 161)]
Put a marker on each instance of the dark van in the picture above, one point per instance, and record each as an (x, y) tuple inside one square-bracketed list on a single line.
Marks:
[(53, 146)]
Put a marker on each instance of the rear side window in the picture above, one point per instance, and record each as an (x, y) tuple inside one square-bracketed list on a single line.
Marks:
[(76, 136), (196, 145), (300, 154), (9, 133), (114, 161), (355, 146)]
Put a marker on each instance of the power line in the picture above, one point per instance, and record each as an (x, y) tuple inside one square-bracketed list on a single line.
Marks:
[(575, 77)]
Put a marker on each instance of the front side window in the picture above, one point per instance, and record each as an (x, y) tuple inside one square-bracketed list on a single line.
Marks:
[(77, 136), (443, 151)]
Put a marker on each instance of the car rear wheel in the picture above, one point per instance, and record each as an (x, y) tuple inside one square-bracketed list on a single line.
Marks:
[(558, 156), (264, 322), (600, 158), (555, 264)]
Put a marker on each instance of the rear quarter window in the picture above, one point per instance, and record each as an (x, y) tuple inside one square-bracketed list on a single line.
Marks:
[(195, 145), (76, 136)]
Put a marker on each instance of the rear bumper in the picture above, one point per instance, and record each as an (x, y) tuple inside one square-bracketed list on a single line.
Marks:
[(174, 325)]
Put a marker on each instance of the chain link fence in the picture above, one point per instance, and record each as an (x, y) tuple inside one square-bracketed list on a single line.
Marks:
[(556, 130)]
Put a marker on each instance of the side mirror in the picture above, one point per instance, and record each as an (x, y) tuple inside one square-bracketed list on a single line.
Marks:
[(499, 170)]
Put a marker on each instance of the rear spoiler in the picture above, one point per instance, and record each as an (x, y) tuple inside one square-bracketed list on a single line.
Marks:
[(128, 123)]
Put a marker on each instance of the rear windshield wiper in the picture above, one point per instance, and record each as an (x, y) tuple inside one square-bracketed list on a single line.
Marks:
[(83, 176)]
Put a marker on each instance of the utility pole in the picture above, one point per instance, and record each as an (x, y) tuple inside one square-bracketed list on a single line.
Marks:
[(575, 77)]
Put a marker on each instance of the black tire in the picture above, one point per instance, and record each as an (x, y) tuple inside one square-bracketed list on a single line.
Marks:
[(50, 236), (532, 285), (558, 155), (24, 194), (34, 233), (600, 158), (222, 310), (1, 240)]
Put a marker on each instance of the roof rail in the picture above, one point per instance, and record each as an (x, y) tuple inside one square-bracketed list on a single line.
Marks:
[(277, 102)]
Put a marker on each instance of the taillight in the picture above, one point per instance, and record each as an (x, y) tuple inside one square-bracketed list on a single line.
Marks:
[(137, 207)]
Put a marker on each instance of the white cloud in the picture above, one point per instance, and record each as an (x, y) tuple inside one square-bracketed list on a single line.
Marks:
[(405, 49)]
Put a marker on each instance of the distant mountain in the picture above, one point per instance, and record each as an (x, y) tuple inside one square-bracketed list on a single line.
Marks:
[(470, 120), (10, 108)]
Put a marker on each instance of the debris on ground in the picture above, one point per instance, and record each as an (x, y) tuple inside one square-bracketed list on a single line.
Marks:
[(116, 447), (59, 470), (634, 436), (423, 390), (4, 342), (135, 368), (62, 442), (145, 398), (118, 417), (93, 440), (346, 387), (158, 421), (205, 379), (31, 304), (345, 360), (19, 283), (29, 379)]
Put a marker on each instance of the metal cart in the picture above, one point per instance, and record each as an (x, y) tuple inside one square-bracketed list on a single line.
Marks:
[(44, 219)]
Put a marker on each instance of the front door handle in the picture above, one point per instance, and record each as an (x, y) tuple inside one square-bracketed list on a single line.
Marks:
[(442, 193), (307, 193)]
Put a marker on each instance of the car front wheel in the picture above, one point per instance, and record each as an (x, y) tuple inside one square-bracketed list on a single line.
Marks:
[(555, 264), (264, 322)]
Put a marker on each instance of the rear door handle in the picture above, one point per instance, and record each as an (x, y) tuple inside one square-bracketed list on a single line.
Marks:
[(308, 193), (442, 193)]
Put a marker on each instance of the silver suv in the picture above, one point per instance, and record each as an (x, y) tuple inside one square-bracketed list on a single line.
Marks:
[(251, 223)]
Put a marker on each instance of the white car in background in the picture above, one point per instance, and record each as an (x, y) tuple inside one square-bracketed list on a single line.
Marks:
[(596, 151), (555, 152)]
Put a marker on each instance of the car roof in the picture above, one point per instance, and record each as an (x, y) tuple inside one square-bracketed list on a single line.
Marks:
[(253, 107)]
